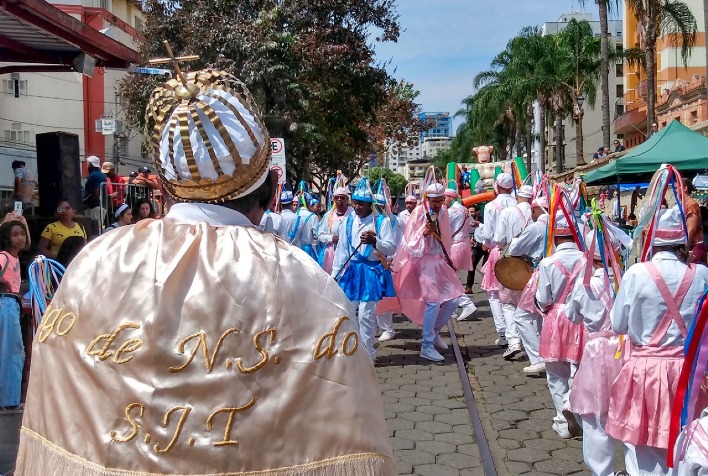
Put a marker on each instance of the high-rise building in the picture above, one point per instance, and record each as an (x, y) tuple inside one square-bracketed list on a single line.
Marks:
[(397, 156), (441, 124)]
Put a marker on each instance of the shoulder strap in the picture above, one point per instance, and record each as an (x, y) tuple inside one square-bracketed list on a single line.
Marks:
[(673, 303), (464, 220), (6, 265)]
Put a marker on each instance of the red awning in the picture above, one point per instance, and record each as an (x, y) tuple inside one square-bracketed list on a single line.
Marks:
[(33, 31)]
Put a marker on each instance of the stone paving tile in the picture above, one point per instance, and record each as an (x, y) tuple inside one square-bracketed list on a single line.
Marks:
[(425, 407)]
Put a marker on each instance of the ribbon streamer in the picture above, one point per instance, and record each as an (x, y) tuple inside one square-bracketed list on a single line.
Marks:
[(44, 277)]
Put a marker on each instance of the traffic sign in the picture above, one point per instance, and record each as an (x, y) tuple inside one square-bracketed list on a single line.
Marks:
[(277, 161), (156, 71)]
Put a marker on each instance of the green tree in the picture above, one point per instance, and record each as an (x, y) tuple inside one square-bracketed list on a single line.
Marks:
[(396, 182)]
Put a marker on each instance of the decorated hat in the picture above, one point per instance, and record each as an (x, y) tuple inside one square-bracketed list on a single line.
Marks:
[(435, 190), (379, 199), (526, 191), (669, 229), (207, 138), (286, 194), (340, 185), (451, 192), (504, 180), (362, 193), (411, 199), (562, 228), (541, 202)]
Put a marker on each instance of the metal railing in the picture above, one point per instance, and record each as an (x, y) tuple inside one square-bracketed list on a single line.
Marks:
[(129, 194)]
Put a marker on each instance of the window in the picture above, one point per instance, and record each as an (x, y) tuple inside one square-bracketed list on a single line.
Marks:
[(103, 4), (694, 117), (619, 70), (17, 137), (619, 90), (138, 23), (14, 87)]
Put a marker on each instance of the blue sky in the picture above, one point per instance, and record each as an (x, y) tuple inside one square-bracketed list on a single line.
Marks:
[(445, 43)]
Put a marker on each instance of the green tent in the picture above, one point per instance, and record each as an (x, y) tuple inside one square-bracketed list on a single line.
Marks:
[(675, 144)]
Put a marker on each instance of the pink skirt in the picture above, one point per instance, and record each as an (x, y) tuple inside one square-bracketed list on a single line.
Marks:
[(642, 396), (328, 259), (429, 279), (489, 281), (527, 301), (597, 371), (561, 340), (461, 255), (509, 296)]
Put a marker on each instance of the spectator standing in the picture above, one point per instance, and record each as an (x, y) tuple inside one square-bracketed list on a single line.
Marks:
[(142, 186), (24, 182), (618, 146), (599, 154), (55, 233), (92, 190), (118, 184), (694, 222), (478, 252)]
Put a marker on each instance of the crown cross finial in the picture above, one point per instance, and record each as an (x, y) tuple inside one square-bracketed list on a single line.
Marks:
[(188, 89)]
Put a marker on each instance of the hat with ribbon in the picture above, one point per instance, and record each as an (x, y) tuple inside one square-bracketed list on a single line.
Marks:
[(362, 192)]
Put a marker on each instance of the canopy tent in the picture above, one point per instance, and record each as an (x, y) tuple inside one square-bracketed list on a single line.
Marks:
[(675, 144)]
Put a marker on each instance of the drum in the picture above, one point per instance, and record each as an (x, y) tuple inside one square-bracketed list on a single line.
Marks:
[(513, 272)]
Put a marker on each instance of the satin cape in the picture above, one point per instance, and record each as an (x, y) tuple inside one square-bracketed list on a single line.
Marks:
[(178, 349)]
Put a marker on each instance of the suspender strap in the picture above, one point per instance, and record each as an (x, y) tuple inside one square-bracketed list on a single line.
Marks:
[(673, 303)]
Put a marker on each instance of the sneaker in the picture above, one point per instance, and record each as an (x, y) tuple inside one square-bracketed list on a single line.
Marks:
[(429, 353), (574, 428), (511, 351), (562, 431), (501, 341), (440, 343), (467, 312), (387, 335), (535, 370)]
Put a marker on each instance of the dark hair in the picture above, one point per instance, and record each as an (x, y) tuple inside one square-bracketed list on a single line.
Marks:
[(136, 208), (69, 249), (61, 200), (6, 232), (260, 197), (17, 164), (689, 185)]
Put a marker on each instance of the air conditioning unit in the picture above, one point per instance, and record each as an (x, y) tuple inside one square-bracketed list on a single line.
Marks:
[(15, 76)]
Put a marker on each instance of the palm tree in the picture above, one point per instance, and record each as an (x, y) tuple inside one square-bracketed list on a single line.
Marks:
[(671, 18)]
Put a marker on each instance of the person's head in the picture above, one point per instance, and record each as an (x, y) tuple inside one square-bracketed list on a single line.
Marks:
[(411, 203), (435, 194), (654, 127), (124, 215), (562, 232), (314, 206), (18, 164), (69, 249), (108, 168), (504, 183), (616, 143), (362, 208), (254, 204), (688, 186), (93, 163), (65, 211), (450, 196), (538, 207), (144, 171), (474, 211), (669, 234), (143, 209), (341, 199), (464, 168), (13, 236), (525, 194)]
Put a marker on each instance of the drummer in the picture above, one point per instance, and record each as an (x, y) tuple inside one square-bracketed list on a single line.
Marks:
[(512, 221), (528, 320)]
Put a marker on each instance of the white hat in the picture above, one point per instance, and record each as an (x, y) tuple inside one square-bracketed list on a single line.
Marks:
[(208, 140), (504, 180), (411, 199), (286, 196), (94, 161), (341, 191), (379, 199), (562, 228), (669, 230), (540, 202), (435, 190), (526, 191), (120, 210), (451, 192)]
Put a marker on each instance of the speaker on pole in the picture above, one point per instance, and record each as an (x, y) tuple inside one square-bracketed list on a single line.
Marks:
[(59, 171)]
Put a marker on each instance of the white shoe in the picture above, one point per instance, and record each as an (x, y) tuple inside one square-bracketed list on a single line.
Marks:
[(387, 335), (467, 312), (511, 351), (429, 353), (535, 369), (562, 430), (501, 341), (440, 343)]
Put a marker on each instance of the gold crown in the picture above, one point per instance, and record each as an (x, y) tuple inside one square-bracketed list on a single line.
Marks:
[(207, 138)]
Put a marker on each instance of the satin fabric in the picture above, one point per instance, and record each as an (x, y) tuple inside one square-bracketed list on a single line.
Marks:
[(179, 280)]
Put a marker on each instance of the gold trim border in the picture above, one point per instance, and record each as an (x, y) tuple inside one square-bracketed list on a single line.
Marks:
[(380, 464)]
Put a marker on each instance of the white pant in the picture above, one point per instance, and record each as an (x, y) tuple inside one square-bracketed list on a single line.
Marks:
[(497, 312), (528, 325), (598, 446), (385, 322), (645, 460), (512, 333), (464, 301), (560, 379), (366, 321), (435, 317)]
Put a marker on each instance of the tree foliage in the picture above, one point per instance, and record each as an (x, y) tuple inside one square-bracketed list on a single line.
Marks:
[(396, 182), (308, 63)]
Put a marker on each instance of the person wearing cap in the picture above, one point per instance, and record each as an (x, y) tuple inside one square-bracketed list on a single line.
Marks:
[(503, 186), (460, 249), (270, 223), (411, 202), (201, 345), (590, 303), (124, 216), (364, 243), (654, 307), (328, 231), (314, 206), (287, 215), (304, 231), (93, 191), (530, 244), (427, 284), (561, 341), (116, 181)]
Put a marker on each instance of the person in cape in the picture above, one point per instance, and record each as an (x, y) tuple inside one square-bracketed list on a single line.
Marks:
[(460, 248), (654, 307), (410, 202), (427, 284), (287, 215), (211, 358), (328, 231), (304, 231), (360, 264)]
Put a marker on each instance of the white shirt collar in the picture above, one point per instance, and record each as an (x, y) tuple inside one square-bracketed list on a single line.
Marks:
[(567, 246), (665, 255), (214, 215)]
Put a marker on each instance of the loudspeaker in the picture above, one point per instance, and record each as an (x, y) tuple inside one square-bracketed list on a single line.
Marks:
[(59, 171)]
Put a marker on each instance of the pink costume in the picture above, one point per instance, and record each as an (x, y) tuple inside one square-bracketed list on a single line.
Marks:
[(692, 448), (329, 226), (489, 281), (461, 249), (421, 273)]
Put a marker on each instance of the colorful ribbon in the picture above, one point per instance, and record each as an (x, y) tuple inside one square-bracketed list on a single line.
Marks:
[(44, 277)]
